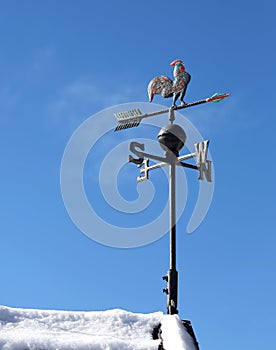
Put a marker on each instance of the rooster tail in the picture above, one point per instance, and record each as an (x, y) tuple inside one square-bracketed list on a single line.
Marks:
[(160, 85)]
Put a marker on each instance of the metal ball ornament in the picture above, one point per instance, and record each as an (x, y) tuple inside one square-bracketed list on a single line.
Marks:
[(172, 137)]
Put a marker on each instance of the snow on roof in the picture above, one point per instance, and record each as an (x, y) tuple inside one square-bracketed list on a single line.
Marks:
[(26, 329)]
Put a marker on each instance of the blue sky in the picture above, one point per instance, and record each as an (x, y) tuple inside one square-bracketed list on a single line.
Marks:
[(62, 62)]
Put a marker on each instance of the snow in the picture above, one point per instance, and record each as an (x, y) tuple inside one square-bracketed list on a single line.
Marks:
[(174, 335), (27, 329)]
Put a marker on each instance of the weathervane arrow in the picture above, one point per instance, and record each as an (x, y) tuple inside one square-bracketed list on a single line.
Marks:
[(132, 118)]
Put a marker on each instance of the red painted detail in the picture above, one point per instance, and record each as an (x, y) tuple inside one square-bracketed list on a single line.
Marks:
[(217, 98), (174, 62)]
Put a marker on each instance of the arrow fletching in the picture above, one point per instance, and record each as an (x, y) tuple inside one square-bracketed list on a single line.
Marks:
[(128, 119)]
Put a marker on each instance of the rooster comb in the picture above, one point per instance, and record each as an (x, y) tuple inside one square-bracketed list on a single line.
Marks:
[(173, 63)]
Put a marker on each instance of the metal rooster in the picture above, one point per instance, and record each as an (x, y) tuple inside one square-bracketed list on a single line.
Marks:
[(168, 88)]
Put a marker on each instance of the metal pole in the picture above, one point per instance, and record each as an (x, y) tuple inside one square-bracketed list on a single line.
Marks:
[(172, 219), (172, 277)]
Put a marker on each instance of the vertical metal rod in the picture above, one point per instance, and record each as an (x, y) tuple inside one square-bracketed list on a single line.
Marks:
[(172, 277), (172, 219)]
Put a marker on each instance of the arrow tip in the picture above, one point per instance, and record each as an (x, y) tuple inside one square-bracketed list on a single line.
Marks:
[(217, 97)]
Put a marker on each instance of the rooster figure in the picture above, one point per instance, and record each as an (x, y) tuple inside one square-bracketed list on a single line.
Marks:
[(168, 88)]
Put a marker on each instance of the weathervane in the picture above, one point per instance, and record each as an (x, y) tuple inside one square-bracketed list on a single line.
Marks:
[(172, 139)]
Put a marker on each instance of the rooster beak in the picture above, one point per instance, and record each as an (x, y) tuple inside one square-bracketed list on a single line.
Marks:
[(174, 62)]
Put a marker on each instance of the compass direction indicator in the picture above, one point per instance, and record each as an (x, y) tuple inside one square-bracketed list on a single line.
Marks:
[(132, 118), (203, 165), (172, 139)]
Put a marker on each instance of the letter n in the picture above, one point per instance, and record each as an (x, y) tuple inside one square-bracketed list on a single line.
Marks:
[(205, 171)]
